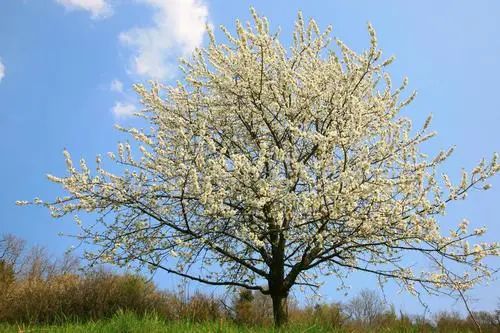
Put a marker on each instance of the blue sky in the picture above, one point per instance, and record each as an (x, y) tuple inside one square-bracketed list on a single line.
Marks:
[(66, 69)]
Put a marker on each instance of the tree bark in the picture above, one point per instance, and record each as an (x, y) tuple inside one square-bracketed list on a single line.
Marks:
[(280, 310), (276, 281)]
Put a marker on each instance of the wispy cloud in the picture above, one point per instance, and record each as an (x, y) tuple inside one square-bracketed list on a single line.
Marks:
[(179, 26), (2, 70), (98, 8), (116, 86), (123, 110)]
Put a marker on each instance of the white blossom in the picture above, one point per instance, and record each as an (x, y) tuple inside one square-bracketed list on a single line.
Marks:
[(276, 165)]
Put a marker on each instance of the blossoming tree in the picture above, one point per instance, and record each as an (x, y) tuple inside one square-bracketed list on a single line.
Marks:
[(266, 167)]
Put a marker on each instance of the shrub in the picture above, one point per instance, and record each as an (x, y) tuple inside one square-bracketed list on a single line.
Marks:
[(451, 322), (69, 296), (328, 316), (200, 307)]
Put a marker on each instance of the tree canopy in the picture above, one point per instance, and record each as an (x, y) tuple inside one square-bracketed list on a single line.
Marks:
[(267, 167)]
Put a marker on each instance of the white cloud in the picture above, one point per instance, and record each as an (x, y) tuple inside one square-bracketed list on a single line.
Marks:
[(98, 8), (123, 110), (116, 86), (179, 26), (2, 70)]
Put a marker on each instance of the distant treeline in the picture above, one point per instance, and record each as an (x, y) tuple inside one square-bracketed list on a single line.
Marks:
[(35, 289)]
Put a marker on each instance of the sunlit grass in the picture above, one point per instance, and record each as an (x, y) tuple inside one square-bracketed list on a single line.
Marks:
[(126, 322)]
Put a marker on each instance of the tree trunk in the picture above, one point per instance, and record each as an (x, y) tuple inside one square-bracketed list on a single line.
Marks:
[(276, 281), (280, 310)]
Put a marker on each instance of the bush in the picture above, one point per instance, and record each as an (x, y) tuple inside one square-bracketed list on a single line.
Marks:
[(200, 307), (252, 308), (451, 322), (73, 297), (327, 316)]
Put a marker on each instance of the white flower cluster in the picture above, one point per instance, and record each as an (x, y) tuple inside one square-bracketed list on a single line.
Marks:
[(267, 162)]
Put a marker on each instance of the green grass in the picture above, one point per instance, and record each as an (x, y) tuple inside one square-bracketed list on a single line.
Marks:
[(130, 323), (124, 322)]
